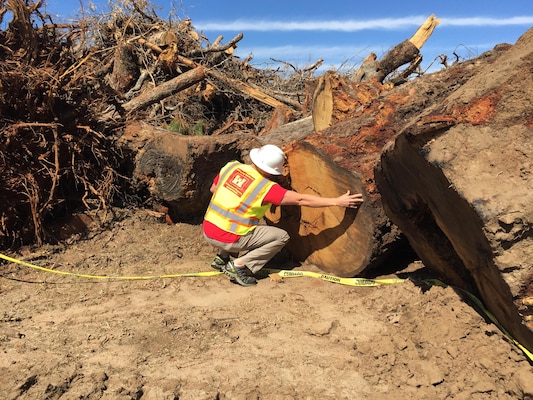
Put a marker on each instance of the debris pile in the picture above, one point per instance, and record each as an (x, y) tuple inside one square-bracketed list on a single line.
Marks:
[(67, 91)]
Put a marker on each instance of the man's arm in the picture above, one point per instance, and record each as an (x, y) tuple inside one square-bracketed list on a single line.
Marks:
[(293, 198)]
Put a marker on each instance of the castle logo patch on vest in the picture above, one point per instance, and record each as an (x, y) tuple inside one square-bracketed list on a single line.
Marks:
[(238, 182)]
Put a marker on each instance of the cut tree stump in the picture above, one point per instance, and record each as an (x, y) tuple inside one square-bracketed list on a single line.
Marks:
[(326, 237), (458, 182)]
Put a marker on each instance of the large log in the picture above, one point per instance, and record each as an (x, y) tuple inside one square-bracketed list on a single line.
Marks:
[(342, 242), (458, 182), (355, 145), (178, 170)]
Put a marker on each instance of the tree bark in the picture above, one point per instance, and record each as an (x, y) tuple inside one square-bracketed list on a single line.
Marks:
[(125, 68), (458, 180)]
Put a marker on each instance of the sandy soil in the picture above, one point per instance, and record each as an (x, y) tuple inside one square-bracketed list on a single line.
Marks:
[(64, 337)]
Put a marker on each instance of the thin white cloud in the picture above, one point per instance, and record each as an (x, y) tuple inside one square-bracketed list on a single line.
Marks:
[(313, 25), (355, 25), (483, 21)]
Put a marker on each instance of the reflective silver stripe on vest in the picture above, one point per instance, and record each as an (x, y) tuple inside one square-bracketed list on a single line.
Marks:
[(246, 204), (232, 217)]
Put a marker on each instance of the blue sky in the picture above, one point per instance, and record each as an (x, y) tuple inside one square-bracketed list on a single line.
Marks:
[(341, 32)]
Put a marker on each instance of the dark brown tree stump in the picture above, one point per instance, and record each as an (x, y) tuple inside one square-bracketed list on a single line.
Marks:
[(179, 170)]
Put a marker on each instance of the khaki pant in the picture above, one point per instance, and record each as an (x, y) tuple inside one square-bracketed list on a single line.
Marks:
[(263, 243)]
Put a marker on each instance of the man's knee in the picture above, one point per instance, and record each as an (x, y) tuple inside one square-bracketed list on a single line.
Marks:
[(284, 238)]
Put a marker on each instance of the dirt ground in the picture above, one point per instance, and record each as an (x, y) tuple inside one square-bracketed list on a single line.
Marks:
[(66, 337)]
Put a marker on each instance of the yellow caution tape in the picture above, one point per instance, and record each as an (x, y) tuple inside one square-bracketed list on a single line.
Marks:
[(336, 279), (281, 273), (191, 274)]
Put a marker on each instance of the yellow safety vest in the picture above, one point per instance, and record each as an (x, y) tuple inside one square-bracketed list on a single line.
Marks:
[(236, 205)]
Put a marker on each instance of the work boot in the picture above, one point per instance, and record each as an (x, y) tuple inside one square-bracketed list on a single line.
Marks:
[(219, 262), (238, 274)]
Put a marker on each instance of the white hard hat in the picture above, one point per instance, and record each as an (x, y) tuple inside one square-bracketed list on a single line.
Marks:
[(269, 158)]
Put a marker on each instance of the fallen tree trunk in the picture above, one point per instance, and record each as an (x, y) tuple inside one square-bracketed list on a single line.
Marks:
[(355, 144), (328, 236), (336, 97), (406, 52), (178, 170), (458, 180), (342, 242)]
